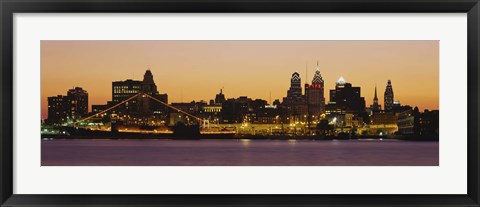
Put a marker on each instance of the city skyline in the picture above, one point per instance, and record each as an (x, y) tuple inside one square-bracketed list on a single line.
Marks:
[(196, 78)]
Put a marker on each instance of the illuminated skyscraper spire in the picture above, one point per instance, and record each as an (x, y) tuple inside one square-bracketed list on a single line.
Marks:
[(388, 96), (317, 78), (315, 96), (306, 73), (295, 91)]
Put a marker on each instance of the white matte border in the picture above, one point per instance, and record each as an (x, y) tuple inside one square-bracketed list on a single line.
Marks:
[(448, 178)]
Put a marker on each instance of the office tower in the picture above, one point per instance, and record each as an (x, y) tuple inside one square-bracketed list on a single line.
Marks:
[(388, 97)]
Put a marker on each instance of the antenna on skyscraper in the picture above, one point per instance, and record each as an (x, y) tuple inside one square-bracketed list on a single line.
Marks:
[(306, 73), (270, 100)]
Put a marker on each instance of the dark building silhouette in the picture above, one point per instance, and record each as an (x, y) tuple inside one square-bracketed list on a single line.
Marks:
[(57, 110), (148, 84), (398, 108), (294, 93), (276, 102), (408, 122), (267, 114), (429, 123), (194, 108), (141, 106), (235, 110), (345, 98), (315, 97), (101, 107), (77, 102), (122, 90), (388, 97), (147, 106), (375, 107), (72, 106), (293, 108), (220, 98), (423, 125), (141, 110)]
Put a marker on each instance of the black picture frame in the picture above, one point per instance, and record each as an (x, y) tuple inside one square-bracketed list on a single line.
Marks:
[(9, 7)]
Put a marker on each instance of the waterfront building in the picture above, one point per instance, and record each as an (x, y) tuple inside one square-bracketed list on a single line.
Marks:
[(429, 123), (176, 118), (383, 124), (325, 128), (70, 107), (388, 97), (408, 122), (57, 111), (77, 102), (212, 113), (412, 122)]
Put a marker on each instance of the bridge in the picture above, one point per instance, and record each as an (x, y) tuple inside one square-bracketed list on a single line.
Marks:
[(205, 123)]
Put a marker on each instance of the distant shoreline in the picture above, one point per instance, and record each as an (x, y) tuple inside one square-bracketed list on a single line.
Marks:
[(207, 137)]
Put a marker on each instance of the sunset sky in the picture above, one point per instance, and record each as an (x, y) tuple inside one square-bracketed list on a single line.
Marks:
[(197, 70)]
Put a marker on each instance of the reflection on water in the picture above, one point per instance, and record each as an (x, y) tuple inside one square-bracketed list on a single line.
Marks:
[(243, 152)]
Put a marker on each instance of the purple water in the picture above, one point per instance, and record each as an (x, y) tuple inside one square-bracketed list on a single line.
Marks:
[(238, 153)]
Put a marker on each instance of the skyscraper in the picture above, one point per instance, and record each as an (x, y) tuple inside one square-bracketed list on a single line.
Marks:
[(122, 90), (146, 106), (57, 110), (388, 97), (77, 104), (294, 108), (346, 99), (315, 95), (375, 107), (148, 84), (72, 106), (294, 94)]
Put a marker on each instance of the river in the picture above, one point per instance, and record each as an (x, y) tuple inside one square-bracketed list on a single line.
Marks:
[(131, 152)]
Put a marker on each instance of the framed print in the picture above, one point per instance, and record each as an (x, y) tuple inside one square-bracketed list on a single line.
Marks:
[(265, 103)]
